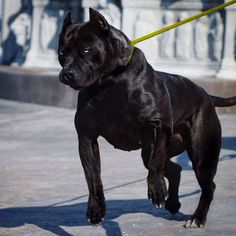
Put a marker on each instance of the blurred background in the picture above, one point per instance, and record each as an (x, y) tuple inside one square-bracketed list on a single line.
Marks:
[(204, 50)]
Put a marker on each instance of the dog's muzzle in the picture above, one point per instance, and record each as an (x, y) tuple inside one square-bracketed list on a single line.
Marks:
[(68, 77)]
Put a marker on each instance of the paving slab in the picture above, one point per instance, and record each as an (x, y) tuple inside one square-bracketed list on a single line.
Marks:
[(43, 189)]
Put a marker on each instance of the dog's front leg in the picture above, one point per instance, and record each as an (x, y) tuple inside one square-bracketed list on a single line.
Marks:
[(157, 191), (90, 158)]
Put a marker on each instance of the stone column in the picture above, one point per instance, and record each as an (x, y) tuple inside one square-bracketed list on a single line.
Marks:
[(109, 9), (228, 65), (75, 9), (47, 19), (1, 31), (86, 4), (35, 56), (8, 9), (142, 17), (132, 8)]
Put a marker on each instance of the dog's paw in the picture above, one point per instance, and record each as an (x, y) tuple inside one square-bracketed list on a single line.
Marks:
[(172, 205), (157, 191), (95, 215), (194, 223)]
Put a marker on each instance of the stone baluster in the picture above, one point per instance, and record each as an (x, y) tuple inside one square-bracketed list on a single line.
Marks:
[(75, 6), (228, 65), (131, 9), (142, 17), (86, 4), (35, 54), (8, 9), (1, 30)]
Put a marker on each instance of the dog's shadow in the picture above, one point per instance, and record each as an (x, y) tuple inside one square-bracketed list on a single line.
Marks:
[(228, 143), (51, 218)]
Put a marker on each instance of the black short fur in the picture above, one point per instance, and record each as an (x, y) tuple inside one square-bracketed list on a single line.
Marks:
[(134, 107)]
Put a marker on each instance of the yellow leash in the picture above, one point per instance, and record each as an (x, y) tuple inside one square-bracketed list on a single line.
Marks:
[(187, 20)]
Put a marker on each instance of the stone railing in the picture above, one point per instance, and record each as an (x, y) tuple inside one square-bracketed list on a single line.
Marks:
[(198, 48), (205, 47), (30, 30)]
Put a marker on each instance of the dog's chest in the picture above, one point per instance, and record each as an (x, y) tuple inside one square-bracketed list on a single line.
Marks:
[(118, 116)]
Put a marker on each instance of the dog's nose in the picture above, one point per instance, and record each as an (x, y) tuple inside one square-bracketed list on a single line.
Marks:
[(68, 74)]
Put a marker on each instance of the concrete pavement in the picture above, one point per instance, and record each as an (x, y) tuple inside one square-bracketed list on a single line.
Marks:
[(43, 189)]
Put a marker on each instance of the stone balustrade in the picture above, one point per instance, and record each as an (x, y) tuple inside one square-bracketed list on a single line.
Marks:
[(205, 47)]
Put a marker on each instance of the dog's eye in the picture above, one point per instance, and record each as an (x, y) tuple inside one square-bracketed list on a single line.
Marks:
[(61, 53), (86, 50)]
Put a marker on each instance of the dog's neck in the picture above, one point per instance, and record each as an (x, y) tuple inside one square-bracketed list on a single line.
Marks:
[(137, 64)]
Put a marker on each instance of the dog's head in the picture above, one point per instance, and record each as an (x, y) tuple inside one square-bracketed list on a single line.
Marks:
[(88, 51)]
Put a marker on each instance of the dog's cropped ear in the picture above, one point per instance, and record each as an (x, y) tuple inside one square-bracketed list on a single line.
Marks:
[(67, 21), (98, 19)]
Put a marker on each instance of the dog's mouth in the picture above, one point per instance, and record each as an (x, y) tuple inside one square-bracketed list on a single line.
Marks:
[(77, 84), (70, 82)]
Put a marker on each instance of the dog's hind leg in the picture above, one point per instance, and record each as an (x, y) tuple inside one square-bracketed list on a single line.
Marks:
[(204, 153), (172, 173)]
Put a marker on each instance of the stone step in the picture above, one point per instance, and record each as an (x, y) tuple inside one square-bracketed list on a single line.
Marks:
[(42, 86)]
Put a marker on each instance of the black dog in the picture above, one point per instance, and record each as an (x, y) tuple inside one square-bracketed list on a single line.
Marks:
[(132, 106)]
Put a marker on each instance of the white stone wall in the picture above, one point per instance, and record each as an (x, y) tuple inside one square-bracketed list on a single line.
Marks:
[(228, 62), (195, 48), (9, 10), (205, 47), (30, 34)]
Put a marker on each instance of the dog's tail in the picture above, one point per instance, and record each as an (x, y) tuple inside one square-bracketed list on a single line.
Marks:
[(223, 102)]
